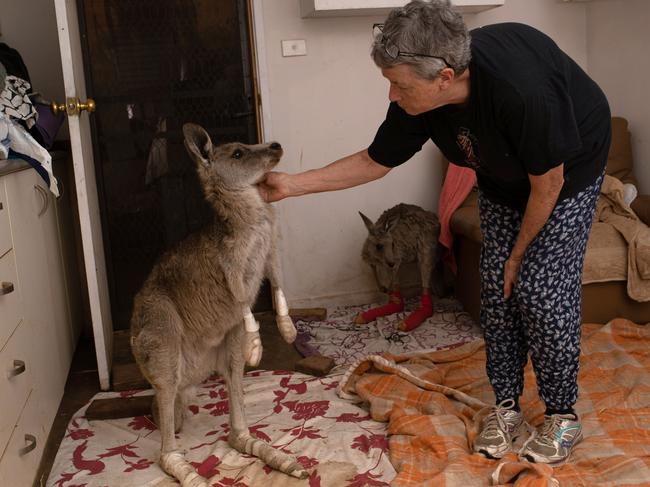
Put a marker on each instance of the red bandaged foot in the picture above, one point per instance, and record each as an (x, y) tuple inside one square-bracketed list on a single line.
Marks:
[(416, 318), (395, 305)]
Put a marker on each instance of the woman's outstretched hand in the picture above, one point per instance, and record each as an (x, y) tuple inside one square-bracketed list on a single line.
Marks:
[(274, 186)]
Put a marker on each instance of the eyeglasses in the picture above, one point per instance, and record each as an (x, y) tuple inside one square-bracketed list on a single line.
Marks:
[(393, 50)]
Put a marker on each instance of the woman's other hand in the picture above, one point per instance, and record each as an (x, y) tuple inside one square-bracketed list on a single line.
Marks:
[(510, 273)]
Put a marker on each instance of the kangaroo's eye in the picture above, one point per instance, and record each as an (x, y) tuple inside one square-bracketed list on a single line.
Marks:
[(379, 247), (237, 154)]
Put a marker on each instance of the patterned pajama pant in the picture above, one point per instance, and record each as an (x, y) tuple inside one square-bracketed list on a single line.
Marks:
[(543, 313)]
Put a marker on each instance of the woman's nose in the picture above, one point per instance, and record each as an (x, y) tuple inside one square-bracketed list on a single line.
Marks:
[(393, 95)]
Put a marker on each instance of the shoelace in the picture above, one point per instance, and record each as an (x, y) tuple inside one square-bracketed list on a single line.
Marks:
[(495, 420), (552, 425)]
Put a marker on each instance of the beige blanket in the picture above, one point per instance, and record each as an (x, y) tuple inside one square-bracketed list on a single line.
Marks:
[(611, 209)]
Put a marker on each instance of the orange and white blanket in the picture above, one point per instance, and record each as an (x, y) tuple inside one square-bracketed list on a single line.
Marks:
[(430, 402)]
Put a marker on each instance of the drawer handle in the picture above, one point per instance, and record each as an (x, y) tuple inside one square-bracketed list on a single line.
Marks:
[(6, 288), (19, 368), (1, 207), (30, 441), (45, 197)]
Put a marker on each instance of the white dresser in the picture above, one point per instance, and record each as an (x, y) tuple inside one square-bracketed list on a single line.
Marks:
[(38, 329)]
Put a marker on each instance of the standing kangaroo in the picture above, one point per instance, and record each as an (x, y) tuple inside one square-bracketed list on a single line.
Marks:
[(187, 318)]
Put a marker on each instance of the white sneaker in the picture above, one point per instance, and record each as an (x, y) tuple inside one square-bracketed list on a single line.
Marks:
[(555, 439), (499, 430)]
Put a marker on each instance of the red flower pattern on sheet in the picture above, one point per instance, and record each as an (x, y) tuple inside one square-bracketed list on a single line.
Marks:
[(304, 432), (218, 408), (307, 462), (80, 434), (142, 423), (352, 418), (123, 450), (299, 388), (367, 479), (208, 467), (366, 442), (256, 433), (92, 466), (230, 482), (219, 393), (64, 478), (307, 410), (141, 464)]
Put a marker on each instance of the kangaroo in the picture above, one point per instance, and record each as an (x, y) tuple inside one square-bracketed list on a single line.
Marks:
[(402, 234), (187, 318)]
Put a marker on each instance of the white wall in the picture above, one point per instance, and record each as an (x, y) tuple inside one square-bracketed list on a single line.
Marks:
[(618, 39), (329, 104), (29, 26)]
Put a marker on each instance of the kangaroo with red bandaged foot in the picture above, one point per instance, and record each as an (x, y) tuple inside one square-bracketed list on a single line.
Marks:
[(402, 234)]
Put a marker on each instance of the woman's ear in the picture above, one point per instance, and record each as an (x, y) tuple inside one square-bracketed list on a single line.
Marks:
[(446, 76)]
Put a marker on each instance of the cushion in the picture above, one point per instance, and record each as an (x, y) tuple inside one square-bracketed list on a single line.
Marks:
[(606, 257), (619, 160), (465, 220)]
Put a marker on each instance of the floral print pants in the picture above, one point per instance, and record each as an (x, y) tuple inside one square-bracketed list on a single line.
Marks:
[(543, 313)]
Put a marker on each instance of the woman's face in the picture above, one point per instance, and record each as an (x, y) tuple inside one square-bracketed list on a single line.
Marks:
[(412, 93)]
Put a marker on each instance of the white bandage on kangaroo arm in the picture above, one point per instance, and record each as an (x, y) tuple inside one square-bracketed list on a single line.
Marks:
[(250, 325), (281, 307)]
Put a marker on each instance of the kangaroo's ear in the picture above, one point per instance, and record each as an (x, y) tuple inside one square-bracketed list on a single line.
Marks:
[(390, 224), (197, 143), (368, 222)]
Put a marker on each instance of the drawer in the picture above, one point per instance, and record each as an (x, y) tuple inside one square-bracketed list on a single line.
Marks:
[(10, 304), (20, 459), (16, 378), (5, 228)]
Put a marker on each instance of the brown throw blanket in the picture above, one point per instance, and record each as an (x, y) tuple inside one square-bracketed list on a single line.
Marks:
[(612, 209), (430, 402)]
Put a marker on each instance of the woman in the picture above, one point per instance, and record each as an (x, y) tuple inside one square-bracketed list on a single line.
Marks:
[(507, 102)]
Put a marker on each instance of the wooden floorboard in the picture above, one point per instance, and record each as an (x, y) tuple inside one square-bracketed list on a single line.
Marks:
[(119, 407)]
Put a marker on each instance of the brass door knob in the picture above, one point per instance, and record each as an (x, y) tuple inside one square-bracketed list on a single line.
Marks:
[(73, 106)]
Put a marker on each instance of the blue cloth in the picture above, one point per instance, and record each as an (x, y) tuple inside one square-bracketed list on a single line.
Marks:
[(32, 162)]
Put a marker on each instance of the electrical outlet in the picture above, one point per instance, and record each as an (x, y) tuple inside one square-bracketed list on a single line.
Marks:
[(294, 47)]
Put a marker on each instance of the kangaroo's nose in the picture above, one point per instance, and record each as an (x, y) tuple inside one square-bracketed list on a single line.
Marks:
[(275, 146)]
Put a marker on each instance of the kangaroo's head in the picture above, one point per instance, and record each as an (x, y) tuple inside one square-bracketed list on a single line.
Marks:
[(232, 165), (378, 250)]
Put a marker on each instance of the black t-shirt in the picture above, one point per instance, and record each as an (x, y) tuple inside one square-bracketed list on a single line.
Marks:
[(531, 108)]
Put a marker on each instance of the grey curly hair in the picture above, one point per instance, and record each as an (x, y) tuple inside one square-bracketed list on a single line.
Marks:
[(432, 28)]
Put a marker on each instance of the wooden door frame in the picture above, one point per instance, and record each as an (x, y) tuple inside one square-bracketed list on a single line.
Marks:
[(260, 70)]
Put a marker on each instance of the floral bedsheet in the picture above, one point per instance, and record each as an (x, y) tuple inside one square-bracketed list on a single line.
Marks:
[(336, 440)]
